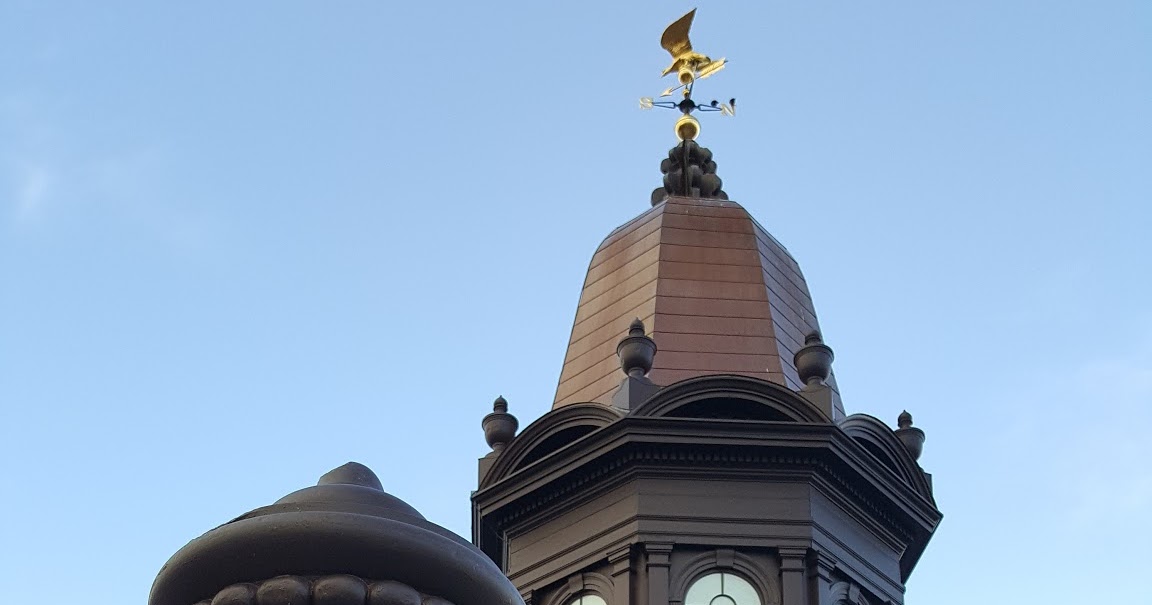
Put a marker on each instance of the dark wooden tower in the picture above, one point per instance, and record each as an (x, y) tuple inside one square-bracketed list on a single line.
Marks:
[(697, 452)]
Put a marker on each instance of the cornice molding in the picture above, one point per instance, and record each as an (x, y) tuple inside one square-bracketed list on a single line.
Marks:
[(715, 460), (897, 511), (687, 441)]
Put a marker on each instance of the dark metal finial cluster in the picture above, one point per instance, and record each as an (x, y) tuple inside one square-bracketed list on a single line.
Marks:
[(499, 426), (689, 172)]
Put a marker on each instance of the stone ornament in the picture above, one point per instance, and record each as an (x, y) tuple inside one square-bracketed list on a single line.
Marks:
[(814, 361), (339, 589), (499, 426), (910, 436), (636, 351)]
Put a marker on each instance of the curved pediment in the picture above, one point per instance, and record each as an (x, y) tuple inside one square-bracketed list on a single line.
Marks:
[(550, 433), (880, 441), (730, 396)]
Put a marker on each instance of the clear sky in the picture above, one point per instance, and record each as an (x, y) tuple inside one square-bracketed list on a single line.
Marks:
[(242, 243)]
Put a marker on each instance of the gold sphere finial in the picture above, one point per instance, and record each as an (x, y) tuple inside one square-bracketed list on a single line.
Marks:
[(687, 128)]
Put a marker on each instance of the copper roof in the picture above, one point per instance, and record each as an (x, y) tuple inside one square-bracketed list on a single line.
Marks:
[(719, 294)]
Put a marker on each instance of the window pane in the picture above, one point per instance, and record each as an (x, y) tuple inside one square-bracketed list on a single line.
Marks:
[(703, 590), (591, 599), (740, 590)]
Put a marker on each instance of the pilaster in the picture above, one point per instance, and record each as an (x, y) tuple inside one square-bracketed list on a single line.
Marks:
[(794, 575), (620, 562), (659, 555), (820, 577)]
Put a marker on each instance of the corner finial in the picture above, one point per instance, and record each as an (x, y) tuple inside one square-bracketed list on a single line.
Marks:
[(910, 436), (499, 426), (636, 351), (814, 361)]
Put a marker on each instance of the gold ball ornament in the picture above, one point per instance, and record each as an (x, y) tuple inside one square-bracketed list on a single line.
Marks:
[(687, 128)]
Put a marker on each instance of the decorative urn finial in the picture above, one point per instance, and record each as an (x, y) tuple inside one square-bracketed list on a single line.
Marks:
[(910, 436), (814, 361), (499, 426), (636, 351)]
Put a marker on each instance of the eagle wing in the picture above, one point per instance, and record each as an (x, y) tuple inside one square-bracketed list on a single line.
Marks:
[(675, 38)]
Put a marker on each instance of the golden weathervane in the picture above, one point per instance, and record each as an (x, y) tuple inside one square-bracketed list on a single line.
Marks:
[(689, 66)]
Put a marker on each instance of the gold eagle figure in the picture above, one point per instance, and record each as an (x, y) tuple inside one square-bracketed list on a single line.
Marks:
[(689, 63)]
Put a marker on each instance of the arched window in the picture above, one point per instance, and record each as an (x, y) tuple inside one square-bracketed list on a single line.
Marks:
[(587, 599), (721, 588)]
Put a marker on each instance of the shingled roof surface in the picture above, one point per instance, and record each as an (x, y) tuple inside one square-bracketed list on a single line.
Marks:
[(718, 293)]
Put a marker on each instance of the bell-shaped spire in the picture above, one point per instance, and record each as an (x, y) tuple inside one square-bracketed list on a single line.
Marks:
[(716, 293)]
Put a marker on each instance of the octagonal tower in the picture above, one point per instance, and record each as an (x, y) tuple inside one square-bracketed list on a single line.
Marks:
[(697, 448)]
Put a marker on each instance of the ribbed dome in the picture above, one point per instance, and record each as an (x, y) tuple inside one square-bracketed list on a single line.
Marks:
[(719, 294), (341, 541)]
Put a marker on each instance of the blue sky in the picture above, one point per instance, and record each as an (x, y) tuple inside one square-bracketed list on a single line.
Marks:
[(244, 243)]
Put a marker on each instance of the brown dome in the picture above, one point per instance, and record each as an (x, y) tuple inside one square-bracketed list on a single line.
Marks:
[(720, 296)]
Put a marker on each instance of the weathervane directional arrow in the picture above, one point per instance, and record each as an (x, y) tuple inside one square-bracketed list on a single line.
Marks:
[(689, 67)]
